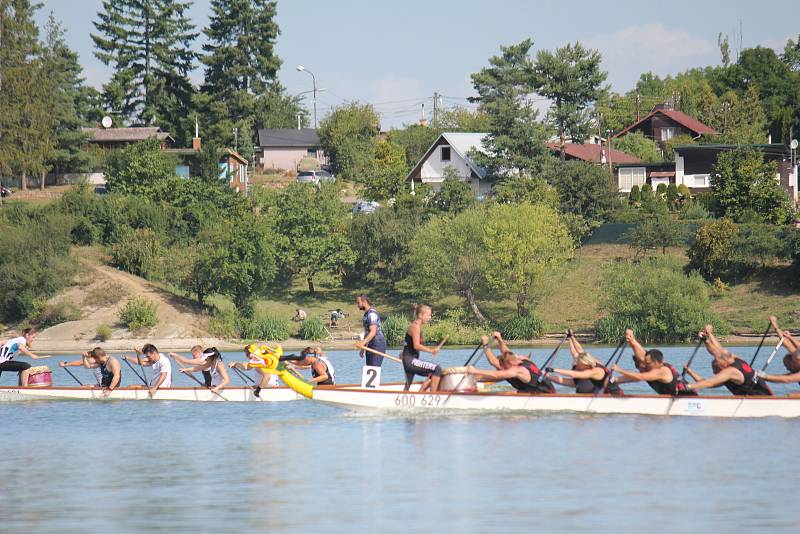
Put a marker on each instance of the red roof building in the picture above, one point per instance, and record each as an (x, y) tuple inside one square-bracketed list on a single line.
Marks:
[(664, 123), (591, 152)]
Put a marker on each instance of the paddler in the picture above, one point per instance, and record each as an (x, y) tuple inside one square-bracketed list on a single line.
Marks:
[(107, 369), (322, 371), (729, 370), (791, 361), (373, 335), (197, 359), (212, 364), (518, 371), (587, 375), (267, 380), (413, 345), (659, 375), (149, 356), (14, 346)]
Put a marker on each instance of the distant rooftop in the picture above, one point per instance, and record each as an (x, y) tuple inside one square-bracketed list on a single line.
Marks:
[(126, 135), (288, 137)]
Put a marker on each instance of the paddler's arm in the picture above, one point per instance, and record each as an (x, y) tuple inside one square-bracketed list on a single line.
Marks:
[(716, 380), (159, 381), (24, 350), (712, 345), (322, 370), (186, 361), (116, 371), (647, 376), (781, 379), (589, 373), (191, 369), (487, 350), (225, 378), (501, 344), (690, 372), (418, 346), (140, 359), (561, 380), (638, 350), (501, 374), (73, 363), (788, 341)]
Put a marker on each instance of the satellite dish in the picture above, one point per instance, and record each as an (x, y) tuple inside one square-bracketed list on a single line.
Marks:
[(106, 122), (793, 144)]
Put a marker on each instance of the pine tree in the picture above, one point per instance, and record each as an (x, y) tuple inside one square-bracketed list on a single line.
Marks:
[(149, 44), (746, 121)]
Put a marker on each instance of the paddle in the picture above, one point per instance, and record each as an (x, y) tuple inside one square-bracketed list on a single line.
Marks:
[(474, 352), (441, 344), (73, 376), (774, 352), (619, 346), (550, 358), (691, 358), (379, 353), (139, 359), (190, 375), (610, 372), (124, 359), (766, 333)]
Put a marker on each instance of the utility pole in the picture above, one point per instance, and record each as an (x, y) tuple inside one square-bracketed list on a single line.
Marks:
[(725, 107), (608, 157), (236, 139), (638, 106), (435, 109), (598, 118)]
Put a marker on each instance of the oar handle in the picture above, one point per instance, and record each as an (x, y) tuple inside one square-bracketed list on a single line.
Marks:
[(766, 333), (691, 358), (552, 355), (441, 343), (619, 346), (379, 353), (772, 355)]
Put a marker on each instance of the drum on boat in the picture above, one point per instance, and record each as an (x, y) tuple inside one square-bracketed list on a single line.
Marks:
[(40, 377), (457, 379)]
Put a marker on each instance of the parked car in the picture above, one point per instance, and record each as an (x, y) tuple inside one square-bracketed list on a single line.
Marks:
[(365, 206), (4, 191), (315, 177)]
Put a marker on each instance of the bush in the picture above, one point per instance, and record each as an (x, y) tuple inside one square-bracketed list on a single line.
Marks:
[(137, 252), (312, 329), (394, 329), (655, 233), (522, 328), (672, 194), (223, 323), (454, 326), (706, 199), (138, 314), (655, 297), (46, 314), (103, 333), (694, 211), (646, 192), (661, 191), (713, 249), (635, 196), (683, 191), (264, 327)]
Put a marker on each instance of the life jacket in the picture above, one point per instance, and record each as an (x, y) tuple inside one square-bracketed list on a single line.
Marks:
[(366, 323), (594, 386), (534, 385), (676, 387), (752, 385)]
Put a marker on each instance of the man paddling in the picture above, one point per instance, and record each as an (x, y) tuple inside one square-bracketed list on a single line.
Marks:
[(659, 375), (107, 369), (149, 356), (373, 335), (14, 346), (729, 370), (521, 373), (791, 361)]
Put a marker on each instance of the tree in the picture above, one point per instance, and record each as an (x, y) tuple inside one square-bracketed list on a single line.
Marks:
[(526, 245), (712, 251), (347, 135), (385, 177), (636, 144), (460, 119), (742, 182), (656, 232), (584, 189), (525, 188), (149, 45), (452, 259), (515, 141), (138, 168), (415, 141), (570, 77), (455, 195), (312, 221), (746, 121), (791, 54)]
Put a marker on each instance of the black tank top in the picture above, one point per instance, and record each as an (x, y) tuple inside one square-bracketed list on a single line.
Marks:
[(595, 386), (106, 376), (408, 346), (533, 385), (328, 381), (752, 385), (674, 388)]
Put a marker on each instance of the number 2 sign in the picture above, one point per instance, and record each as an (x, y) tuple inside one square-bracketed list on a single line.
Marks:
[(370, 377)]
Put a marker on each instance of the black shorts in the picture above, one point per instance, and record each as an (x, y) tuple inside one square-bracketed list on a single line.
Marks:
[(415, 366), (14, 367)]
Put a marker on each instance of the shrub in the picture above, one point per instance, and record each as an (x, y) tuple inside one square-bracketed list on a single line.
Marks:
[(655, 233), (47, 314), (223, 323), (312, 329), (646, 192), (713, 248), (694, 211), (139, 313), (137, 252), (706, 199), (522, 328), (672, 194), (264, 327), (103, 332), (454, 326), (683, 191), (661, 191), (635, 195), (655, 297), (394, 329)]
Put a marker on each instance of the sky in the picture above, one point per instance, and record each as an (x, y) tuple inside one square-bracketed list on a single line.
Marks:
[(395, 55)]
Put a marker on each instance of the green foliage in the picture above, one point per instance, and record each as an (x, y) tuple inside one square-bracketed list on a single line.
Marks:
[(747, 122), (394, 329), (454, 326), (347, 136), (655, 233), (583, 188), (693, 210), (661, 191), (522, 328), (137, 252), (312, 329), (415, 140), (385, 178), (103, 333), (683, 191), (223, 323), (655, 298), (646, 192), (672, 195), (742, 181), (264, 327), (455, 195), (636, 144), (678, 140), (635, 196), (137, 169), (139, 313), (712, 251), (521, 188), (45, 314)]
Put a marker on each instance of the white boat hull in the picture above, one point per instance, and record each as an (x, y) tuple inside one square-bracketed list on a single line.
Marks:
[(232, 394), (359, 399)]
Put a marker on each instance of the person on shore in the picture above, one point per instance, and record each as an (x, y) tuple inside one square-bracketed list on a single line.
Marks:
[(299, 315), (662, 377), (267, 380), (729, 370), (198, 359), (149, 356), (373, 334), (107, 369), (413, 345), (521, 373), (14, 346), (322, 371), (335, 316), (211, 365), (587, 376)]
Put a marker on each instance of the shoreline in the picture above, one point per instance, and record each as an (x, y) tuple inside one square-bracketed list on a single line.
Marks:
[(72, 346)]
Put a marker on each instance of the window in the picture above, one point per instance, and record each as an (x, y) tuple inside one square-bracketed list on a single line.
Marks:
[(445, 153), (630, 176), (700, 180), (667, 133), (311, 152)]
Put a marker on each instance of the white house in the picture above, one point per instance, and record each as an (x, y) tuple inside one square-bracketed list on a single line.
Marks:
[(452, 149)]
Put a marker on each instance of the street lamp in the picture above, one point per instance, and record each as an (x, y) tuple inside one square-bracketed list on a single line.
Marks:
[(301, 68)]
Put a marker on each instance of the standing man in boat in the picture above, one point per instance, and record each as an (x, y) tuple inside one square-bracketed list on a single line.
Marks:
[(587, 375), (107, 369), (520, 372), (729, 370), (162, 368), (14, 346), (267, 380), (373, 335), (322, 371), (659, 375), (413, 345)]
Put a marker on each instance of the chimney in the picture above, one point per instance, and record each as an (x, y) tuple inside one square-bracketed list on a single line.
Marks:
[(196, 140)]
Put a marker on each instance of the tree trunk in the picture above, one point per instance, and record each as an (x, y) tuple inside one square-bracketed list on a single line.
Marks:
[(522, 306), (41, 185), (310, 280), (561, 145), (23, 181), (470, 296)]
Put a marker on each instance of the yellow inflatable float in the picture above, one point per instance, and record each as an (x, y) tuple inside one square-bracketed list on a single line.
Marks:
[(270, 360)]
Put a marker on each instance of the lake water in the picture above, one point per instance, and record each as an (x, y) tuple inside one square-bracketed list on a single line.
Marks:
[(210, 467)]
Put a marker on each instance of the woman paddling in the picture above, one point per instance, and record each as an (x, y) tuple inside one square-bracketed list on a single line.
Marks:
[(413, 345), (267, 380), (14, 346), (214, 366), (587, 375)]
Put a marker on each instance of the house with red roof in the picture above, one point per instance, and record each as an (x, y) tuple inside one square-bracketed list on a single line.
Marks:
[(664, 123), (593, 153)]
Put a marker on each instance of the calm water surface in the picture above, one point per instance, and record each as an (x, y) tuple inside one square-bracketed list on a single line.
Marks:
[(210, 467)]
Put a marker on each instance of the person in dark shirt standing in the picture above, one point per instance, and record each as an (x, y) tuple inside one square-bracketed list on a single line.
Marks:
[(373, 335)]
